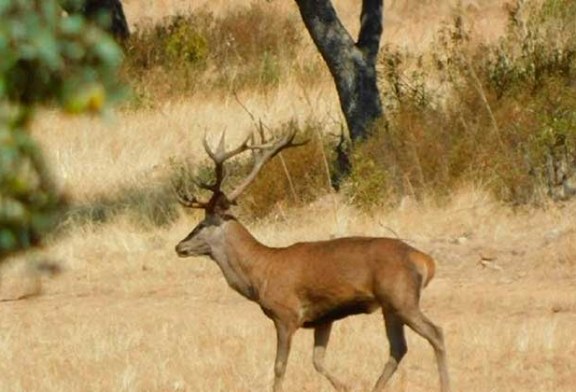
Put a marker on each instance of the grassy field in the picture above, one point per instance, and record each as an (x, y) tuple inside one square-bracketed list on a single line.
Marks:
[(408, 22), (126, 314)]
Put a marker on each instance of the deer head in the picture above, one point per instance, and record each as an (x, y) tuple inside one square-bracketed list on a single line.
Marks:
[(313, 284), (208, 233)]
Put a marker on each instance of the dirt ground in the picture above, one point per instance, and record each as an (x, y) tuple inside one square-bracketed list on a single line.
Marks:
[(127, 315)]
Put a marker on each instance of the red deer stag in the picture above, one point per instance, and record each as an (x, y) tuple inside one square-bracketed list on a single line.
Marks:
[(313, 284)]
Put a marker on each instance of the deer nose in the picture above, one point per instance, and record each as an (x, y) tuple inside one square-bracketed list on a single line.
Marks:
[(180, 250)]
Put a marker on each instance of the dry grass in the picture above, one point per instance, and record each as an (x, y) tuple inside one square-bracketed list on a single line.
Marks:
[(127, 315), (408, 22), (133, 144), (223, 46)]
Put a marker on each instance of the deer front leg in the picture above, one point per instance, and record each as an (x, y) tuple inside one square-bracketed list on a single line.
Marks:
[(284, 338), (321, 337)]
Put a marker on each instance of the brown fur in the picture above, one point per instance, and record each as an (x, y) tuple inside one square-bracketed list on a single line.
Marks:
[(313, 284)]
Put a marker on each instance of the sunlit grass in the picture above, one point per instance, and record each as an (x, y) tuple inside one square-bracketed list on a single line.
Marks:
[(126, 314)]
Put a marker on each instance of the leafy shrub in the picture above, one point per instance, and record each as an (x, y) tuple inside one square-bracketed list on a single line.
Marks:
[(178, 42), (45, 58), (184, 44), (248, 47), (502, 115), (538, 46)]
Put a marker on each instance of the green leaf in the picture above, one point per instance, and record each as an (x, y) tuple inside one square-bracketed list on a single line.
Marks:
[(8, 240), (72, 25), (48, 53), (45, 58)]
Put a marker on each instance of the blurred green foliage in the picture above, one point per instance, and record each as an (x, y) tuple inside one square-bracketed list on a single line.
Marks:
[(45, 59)]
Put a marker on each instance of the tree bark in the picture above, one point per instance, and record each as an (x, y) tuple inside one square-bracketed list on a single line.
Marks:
[(351, 63), (93, 11)]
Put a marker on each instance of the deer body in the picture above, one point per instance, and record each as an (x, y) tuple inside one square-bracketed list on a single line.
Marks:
[(313, 284)]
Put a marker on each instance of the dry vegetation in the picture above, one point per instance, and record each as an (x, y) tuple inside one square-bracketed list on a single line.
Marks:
[(126, 314)]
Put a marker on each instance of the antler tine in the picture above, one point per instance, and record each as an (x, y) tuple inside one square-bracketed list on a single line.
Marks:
[(207, 148), (285, 141), (190, 202), (186, 199), (262, 154), (221, 155), (221, 143)]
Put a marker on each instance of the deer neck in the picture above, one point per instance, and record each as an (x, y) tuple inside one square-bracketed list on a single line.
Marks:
[(241, 258)]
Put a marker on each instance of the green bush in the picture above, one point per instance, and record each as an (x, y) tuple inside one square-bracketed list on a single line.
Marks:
[(178, 42), (184, 44), (540, 44), (45, 58)]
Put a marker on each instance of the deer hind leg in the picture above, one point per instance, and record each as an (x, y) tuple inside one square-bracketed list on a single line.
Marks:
[(321, 337), (417, 321), (284, 339), (398, 348)]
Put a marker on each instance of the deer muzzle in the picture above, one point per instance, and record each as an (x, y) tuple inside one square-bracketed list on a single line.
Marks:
[(188, 248)]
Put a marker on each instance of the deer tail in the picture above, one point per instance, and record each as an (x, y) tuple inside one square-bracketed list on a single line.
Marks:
[(426, 267)]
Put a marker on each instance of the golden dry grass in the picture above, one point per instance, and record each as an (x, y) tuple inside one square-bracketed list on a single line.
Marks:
[(407, 22), (127, 315)]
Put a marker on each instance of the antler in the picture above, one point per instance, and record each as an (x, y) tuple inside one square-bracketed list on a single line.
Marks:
[(188, 200), (184, 197), (262, 153), (219, 157)]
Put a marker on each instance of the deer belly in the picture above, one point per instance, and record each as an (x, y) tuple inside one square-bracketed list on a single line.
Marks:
[(322, 313)]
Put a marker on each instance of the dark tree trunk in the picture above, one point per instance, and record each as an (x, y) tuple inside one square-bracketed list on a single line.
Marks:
[(108, 11), (351, 63)]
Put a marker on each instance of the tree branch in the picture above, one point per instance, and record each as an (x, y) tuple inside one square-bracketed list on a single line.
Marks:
[(371, 25), (330, 36)]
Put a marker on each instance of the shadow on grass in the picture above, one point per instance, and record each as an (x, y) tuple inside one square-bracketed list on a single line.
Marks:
[(149, 206)]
